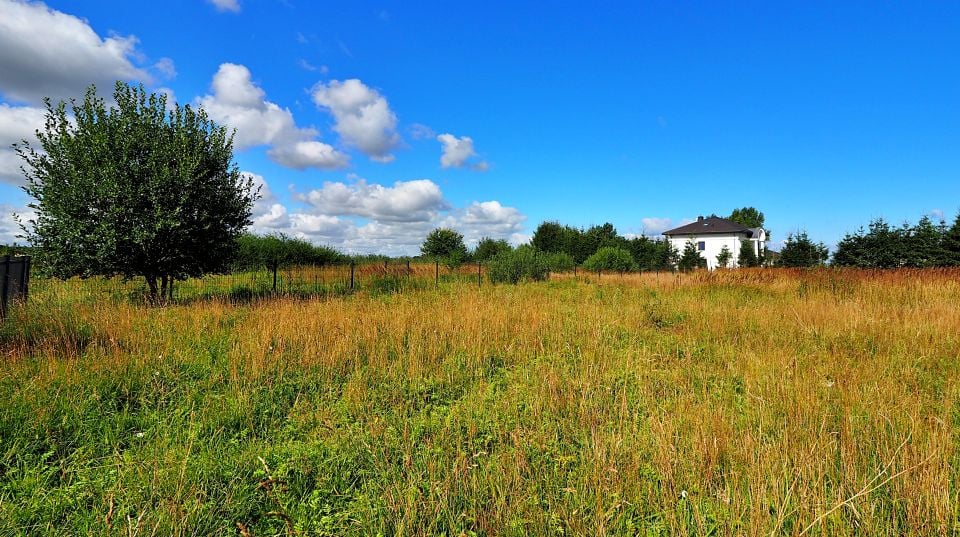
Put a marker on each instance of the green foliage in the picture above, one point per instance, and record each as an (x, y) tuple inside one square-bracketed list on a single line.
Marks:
[(724, 257), (652, 254), (951, 243), (691, 259), (884, 246), (258, 251), (445, 245), (134, 190), (747, 216), (558, 261), (525, 263), (610, 258), (748, 256), (800, 251), (487, 248)]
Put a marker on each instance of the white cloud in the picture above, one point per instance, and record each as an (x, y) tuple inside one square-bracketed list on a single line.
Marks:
[(309, 154), (490, 219), (47, 53), (936, 214), (166, 68), (233, 6), (458, 151), (17, 123), (240, 104), (654, 225), (362, 117), (419, 131), (9, 228), (406, 201), (360, 217)]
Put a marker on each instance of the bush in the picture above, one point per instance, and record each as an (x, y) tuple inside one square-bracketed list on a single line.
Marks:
[(610, 258), (558, 261), (524, 263)]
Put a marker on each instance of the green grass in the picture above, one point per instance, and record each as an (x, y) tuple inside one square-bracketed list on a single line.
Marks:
[(558, 408)]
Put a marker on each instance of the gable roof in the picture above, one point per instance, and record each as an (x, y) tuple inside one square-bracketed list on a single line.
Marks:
[(711, 225)]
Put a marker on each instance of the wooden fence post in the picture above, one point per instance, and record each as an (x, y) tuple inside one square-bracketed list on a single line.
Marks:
[(5, 282), (352, 266), (479, 276), (275, 263)]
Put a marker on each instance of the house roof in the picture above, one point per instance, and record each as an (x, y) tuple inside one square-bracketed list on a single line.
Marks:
[(711, 225)]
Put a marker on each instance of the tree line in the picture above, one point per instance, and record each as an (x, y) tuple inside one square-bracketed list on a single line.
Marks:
[(881, 245)]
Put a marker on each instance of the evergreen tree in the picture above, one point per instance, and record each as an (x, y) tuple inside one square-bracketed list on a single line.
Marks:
[(951, 244), (748, 257), (800, 251), (691, 258), (724, 257)]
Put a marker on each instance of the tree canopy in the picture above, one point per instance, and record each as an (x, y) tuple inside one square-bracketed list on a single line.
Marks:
[(691, 259), (144, 188), (445, 245), (747, 216), (800, 251)]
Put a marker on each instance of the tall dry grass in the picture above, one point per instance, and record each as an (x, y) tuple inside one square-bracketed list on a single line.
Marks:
[(759, 402)]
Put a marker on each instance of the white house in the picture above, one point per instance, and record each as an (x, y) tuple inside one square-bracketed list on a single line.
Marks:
[(711, 234)]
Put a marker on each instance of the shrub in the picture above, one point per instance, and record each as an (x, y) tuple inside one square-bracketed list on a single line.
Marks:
[(610, 258), (558, 261), (524, 263)]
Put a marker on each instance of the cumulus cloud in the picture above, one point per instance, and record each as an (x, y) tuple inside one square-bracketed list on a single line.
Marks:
[(17, 123), (309, 154), (362, 117), (458, 151), (239, 103), (362, 217), (232, 6), (9, 228), (406, 201), (490, 219), (47, 53), (654, 225)]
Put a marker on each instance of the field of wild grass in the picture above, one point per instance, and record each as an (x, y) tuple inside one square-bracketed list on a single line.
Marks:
[(761, 402)]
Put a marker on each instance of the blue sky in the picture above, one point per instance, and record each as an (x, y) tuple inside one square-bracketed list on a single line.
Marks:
[(823, 115)]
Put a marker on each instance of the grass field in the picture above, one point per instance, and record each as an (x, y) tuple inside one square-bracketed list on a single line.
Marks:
[(760, 402)]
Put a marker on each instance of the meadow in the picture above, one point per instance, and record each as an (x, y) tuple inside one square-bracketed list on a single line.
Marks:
[(749, 402)]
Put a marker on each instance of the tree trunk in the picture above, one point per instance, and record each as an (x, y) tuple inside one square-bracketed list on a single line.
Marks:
[(152, 286), (163, 287)]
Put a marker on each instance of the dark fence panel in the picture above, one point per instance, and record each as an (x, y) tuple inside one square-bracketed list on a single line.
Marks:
[(14, 281)]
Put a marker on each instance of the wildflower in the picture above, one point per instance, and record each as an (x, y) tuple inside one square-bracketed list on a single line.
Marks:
[(683, 494)]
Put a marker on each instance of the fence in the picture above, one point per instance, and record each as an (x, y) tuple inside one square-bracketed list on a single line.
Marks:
[(14, 281), (390, 276)]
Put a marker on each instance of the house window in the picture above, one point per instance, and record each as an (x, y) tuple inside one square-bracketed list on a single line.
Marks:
[(701, 246)]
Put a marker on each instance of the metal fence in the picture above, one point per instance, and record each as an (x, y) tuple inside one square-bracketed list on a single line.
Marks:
[(390, 276), (14, 281)]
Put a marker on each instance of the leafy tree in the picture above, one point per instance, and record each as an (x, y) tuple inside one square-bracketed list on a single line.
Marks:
[(445, 245), (748, 256), (724, 257), (747, 216), (487, 248), (610, 258), (135, 190), (525, 263), (558, 261), (549, 237), (691, 259), (256, 251), (800, 251)]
